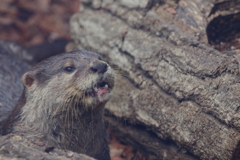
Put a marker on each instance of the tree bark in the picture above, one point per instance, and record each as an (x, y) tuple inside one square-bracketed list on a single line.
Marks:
[(180, 99), (17, 147)]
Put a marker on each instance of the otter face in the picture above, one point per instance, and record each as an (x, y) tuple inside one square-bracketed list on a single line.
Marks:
[(75, 78)]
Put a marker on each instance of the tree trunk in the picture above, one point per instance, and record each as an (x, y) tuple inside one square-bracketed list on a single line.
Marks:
[(180, 99)]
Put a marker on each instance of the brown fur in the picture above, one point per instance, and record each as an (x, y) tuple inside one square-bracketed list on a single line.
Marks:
[(57, 107)]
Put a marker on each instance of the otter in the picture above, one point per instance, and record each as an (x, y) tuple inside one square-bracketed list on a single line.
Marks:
[(62, 104)]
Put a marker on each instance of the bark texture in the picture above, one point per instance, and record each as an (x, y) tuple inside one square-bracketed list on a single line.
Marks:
[(16, 147), (180, 99)]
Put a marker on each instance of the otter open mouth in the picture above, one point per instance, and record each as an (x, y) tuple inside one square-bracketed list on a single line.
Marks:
[(99, 90)]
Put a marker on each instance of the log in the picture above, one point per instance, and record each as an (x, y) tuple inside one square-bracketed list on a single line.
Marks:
[(17, 147), (180, 99)]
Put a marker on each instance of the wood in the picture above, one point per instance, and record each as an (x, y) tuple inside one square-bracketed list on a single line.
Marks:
[(17, 147), (180, 92)]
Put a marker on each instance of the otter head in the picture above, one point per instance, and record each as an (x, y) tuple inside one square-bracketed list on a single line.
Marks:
[(62, 103), (66, 84)]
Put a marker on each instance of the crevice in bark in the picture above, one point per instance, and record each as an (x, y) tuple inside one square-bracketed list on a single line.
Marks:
[(236, 154), (123, 124), (223, 27)]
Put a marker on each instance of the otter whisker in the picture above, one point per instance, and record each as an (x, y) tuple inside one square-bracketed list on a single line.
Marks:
[(61, 106), (83, 100), (71, 104), (73, 107), (67, 106), (121, 73), (119, 95)]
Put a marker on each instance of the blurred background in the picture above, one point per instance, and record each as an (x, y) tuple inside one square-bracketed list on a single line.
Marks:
[(32, 22)]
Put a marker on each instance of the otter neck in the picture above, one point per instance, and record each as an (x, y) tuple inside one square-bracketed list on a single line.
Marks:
[(64, 130), (89, 125)]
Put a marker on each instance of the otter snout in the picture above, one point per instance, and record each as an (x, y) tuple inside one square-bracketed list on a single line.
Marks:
[(99, 67)]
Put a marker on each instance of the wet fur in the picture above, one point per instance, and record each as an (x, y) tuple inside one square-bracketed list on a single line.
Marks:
[(53, 107)]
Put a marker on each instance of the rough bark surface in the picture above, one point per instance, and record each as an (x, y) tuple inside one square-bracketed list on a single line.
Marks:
[(180, 99), (16, 147)]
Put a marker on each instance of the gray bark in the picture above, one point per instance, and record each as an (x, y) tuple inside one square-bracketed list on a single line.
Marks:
[(180, 99), (16, 147)]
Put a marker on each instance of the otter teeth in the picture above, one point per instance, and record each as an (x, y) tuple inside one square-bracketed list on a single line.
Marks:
[(106, 86), (102, 85)]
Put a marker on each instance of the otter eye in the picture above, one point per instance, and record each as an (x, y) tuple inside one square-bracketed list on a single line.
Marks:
[(69, 69)]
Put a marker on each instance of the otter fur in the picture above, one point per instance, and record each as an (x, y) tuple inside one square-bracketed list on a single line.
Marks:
[(62, 104)]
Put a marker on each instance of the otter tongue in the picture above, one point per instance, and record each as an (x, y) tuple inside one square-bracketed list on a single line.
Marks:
[(102, 91)]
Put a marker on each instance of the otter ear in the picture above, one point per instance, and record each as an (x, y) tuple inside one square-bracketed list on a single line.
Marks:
[(28, 79)]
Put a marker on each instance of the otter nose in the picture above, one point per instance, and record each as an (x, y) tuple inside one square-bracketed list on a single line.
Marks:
[(99, 67)]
